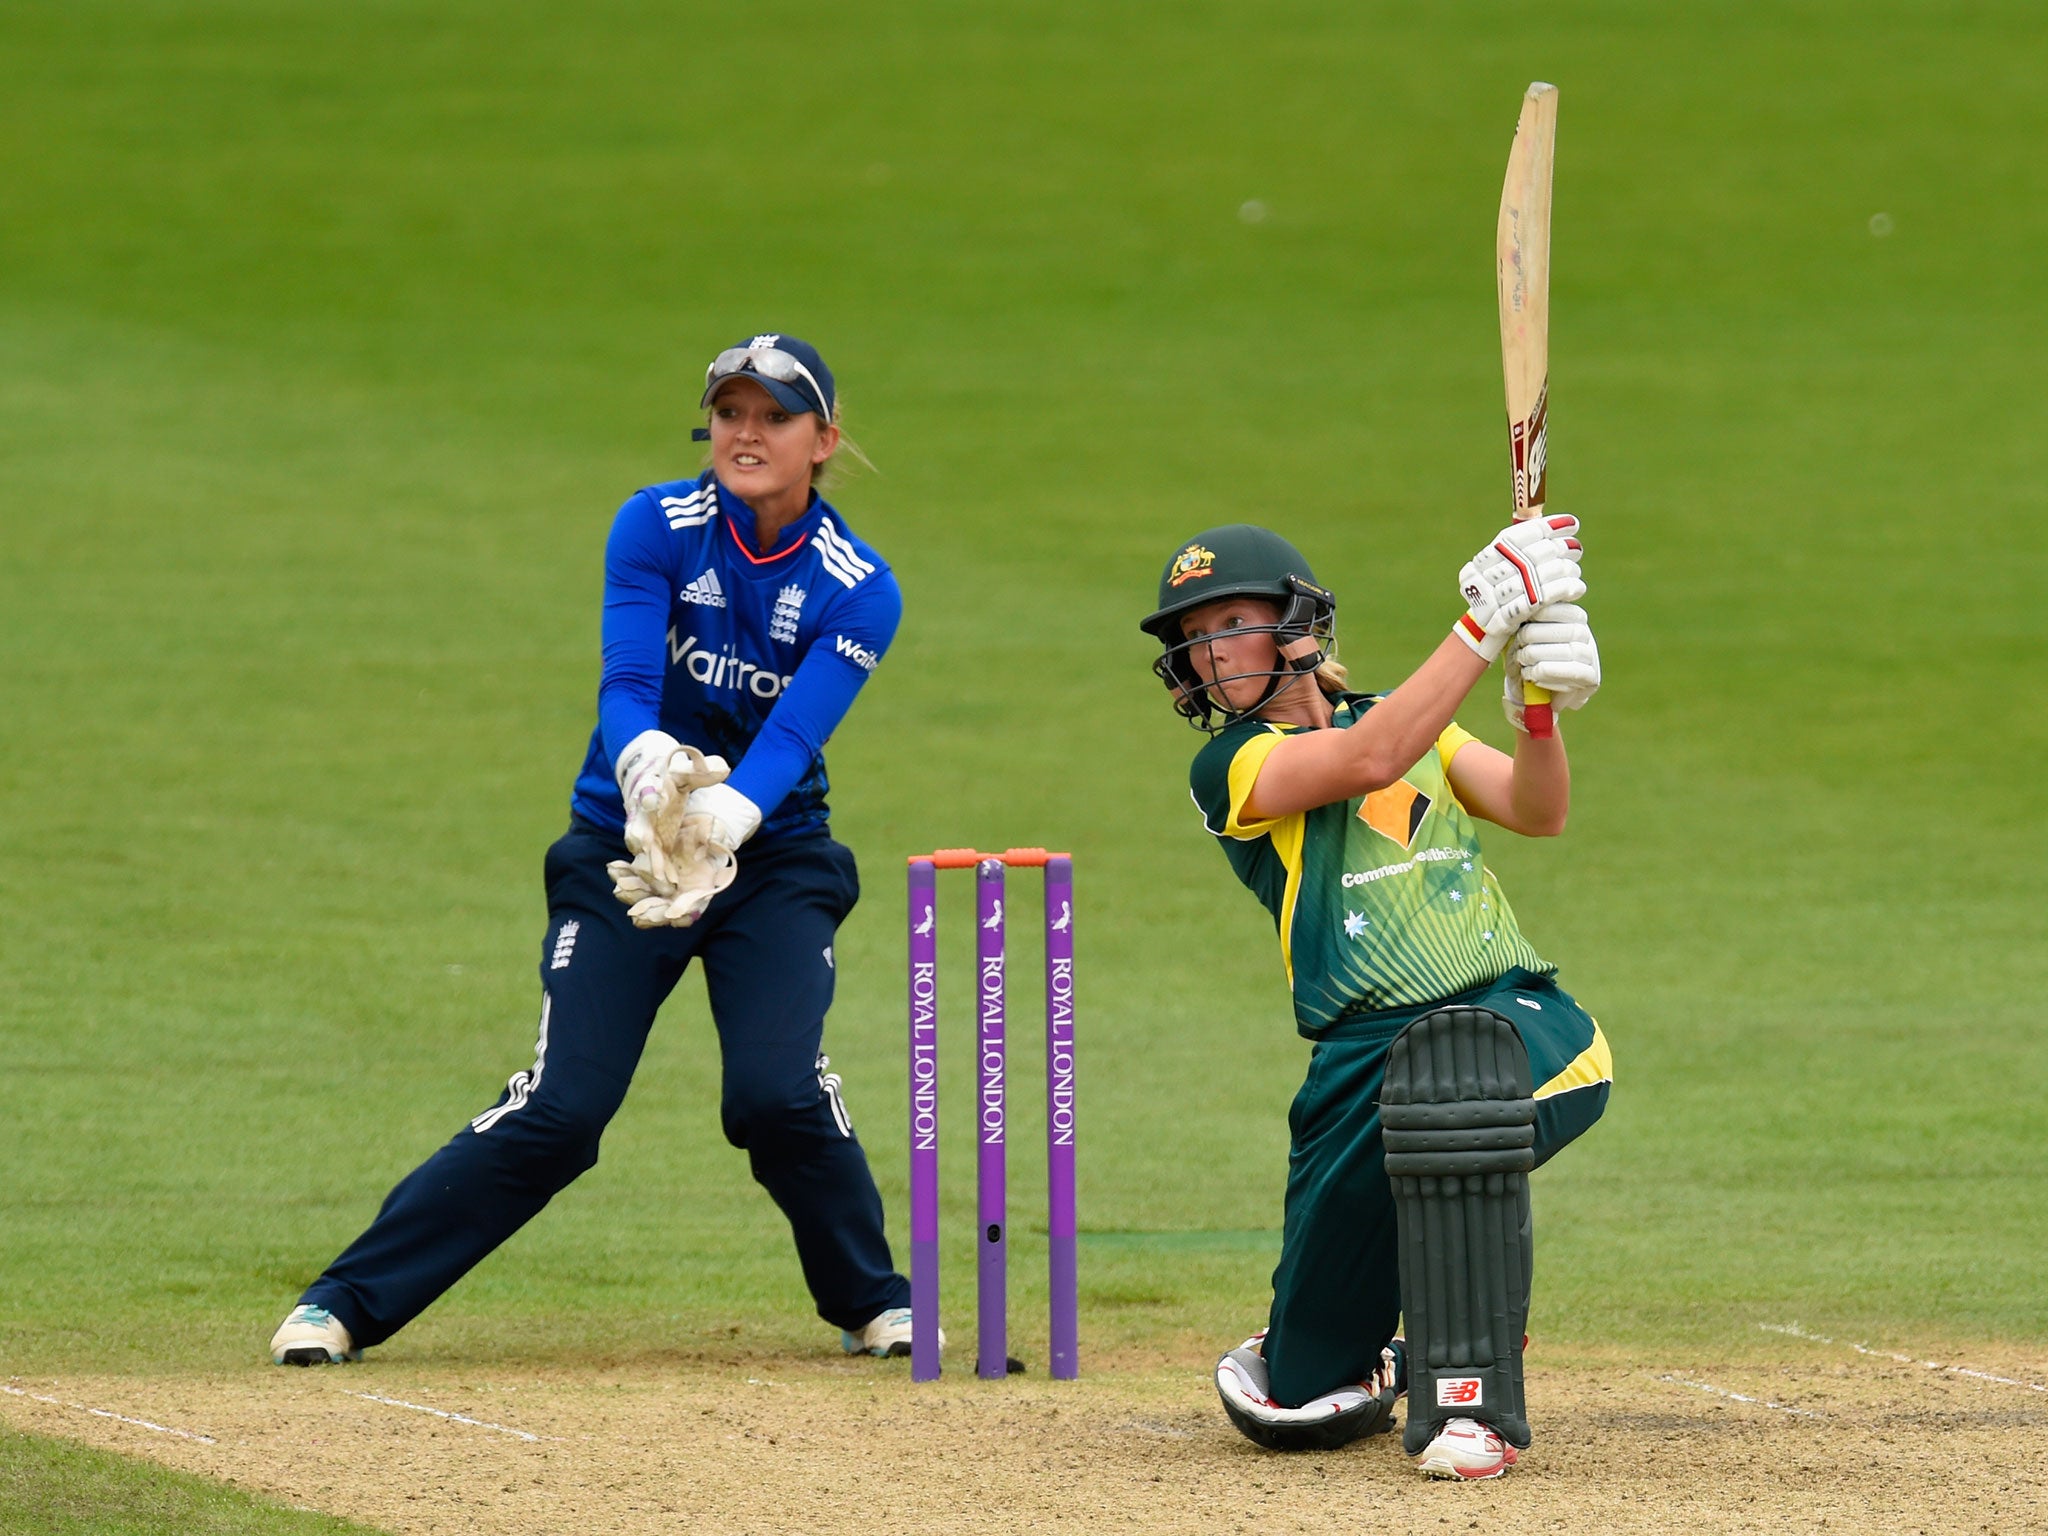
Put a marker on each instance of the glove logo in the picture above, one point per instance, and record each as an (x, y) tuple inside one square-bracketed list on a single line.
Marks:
[(1458, 1392), (1191, 563)]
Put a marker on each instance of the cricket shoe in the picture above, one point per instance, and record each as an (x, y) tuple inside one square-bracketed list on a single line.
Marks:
[(312, 1336), (1466, 1449), (886, 1334)]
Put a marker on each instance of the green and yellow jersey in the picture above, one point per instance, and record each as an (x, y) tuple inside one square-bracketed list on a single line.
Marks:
[(1382, 901)]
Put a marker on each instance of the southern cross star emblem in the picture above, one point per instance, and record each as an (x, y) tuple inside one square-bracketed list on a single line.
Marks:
[(1355, 924)]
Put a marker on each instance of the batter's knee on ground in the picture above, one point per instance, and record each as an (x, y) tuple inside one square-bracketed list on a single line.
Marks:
[(1459, 1120)]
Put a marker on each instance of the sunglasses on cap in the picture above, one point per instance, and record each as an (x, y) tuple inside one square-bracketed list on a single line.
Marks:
[(768, 363)]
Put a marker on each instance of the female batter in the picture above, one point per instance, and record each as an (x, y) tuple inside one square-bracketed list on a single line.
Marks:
[(741, 617), (1447, 1062)]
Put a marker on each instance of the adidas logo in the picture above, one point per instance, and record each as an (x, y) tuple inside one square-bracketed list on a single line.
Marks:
[(704, 591)]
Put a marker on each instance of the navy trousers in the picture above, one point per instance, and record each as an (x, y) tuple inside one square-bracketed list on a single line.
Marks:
[(766, 948)]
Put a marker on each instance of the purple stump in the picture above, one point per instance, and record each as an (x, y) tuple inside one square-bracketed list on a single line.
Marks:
[(1059, 1116), (924, 1122), (992, 1173)]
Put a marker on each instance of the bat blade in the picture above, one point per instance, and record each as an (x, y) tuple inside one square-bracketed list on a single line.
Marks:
[(1522, 273)]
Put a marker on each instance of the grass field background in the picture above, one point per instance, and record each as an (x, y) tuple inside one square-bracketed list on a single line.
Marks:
[(331, 337)]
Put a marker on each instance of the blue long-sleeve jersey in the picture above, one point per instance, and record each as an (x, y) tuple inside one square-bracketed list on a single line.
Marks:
[(754, 657)]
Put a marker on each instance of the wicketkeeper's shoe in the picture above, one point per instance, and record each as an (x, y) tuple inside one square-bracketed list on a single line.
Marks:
[(312, 1336), (1465, 1449), (887, 1333)]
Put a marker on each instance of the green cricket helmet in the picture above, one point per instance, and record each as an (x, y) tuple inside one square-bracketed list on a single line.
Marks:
[(1239, 560)]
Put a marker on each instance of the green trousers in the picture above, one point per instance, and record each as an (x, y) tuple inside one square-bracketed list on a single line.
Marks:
[(1337, 1290)]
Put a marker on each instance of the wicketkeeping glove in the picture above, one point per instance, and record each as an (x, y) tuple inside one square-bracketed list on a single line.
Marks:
[(1526, 565), (1554, 650), (721, 817), (672, 882), (643, 775), (673, 873), (689, 891)]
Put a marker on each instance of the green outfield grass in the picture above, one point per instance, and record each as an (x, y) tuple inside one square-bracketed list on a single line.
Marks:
[(51, 1488), (330, 338)]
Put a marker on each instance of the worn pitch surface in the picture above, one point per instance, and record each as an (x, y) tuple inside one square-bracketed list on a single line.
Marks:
[(1824, 1438)]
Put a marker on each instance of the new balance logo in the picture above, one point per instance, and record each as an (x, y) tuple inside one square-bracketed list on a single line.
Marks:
[(565, 945), (856, 653), (704, 591), (1457, 1392)]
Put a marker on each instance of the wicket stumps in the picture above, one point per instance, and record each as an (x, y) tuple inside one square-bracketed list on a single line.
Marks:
[(992, 1229)]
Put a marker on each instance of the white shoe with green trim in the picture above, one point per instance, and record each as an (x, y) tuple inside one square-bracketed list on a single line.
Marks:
[(312, 1336), (886, 1334)]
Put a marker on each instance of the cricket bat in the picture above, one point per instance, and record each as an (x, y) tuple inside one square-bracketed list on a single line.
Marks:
[(1522, 252)]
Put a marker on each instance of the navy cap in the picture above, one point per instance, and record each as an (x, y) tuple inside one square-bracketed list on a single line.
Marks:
[(787, 368)]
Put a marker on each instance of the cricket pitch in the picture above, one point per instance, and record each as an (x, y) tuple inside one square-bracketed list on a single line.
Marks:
[(1827, 1437)]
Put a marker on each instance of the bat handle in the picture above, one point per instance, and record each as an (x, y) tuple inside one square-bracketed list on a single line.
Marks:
[(1537, 719)]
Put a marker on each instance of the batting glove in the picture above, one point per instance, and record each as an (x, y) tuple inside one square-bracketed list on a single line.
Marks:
[(1528, 564), (1557, 653)]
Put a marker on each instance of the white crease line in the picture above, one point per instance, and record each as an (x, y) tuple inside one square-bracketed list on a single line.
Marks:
[(1797, 1332), (442, 1413), (1701, 1386), (107, 1413)]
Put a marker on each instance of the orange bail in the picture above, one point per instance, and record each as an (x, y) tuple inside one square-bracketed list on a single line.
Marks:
[(967, 858)]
